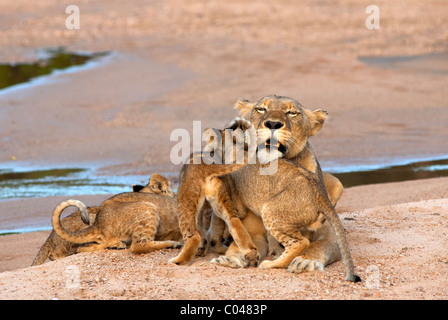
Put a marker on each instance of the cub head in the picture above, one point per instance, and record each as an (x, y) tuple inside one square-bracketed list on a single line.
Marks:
[(157, 185), (231, 145), (283, 120)]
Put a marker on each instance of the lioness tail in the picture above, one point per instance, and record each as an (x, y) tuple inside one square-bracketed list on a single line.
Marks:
[(335, 222)]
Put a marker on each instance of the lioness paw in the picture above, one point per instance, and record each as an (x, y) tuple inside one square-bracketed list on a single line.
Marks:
[(299, 265)]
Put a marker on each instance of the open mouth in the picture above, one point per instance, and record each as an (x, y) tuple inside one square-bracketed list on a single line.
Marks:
[(280, 147)]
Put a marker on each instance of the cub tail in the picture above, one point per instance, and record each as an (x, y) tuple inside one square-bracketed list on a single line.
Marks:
[(87, 235)]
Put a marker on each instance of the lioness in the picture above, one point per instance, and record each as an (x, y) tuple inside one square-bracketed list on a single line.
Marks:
[(55, 247), (290, 201), (147, 221), (293, 125)]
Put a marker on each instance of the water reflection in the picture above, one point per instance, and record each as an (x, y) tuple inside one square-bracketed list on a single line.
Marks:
[(412, 171), (12, 74), (62, 182)]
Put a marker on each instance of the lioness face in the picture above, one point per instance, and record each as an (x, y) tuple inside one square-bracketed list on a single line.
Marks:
[(282, 120)]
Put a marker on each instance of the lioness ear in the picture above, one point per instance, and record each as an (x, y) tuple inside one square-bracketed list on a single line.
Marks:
[(244, 106), (317, 119)]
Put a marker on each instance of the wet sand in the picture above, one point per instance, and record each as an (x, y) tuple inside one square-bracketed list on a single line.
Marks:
[(172, 64)]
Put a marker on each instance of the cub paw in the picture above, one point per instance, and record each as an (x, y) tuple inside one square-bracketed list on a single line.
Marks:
[(176, 245), (267, 265), (234, 261), (275, 249), (179, 260), (176, 260), (218, 247), (202, 251), (240, 123), (252, 258), (117, 246), (299, 265)]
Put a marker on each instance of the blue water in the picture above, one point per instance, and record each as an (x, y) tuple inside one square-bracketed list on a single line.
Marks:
[(22, 183), (53, 59), (31, 182)]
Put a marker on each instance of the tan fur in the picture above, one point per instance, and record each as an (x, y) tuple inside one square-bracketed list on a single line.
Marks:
[(298, 124), (55, 247), (157, 184), (145, 221), (198, 183), (291, 201)]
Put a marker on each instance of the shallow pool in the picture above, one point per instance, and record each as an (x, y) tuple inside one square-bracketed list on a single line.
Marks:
[(24, 183), (51, 59)]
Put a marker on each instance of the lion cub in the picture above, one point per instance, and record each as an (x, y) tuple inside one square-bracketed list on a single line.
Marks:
[(55, 247), (291, 202), (157, 184), (199, 182), (145, 220)]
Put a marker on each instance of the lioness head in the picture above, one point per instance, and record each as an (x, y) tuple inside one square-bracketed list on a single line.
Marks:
[(283, 120)]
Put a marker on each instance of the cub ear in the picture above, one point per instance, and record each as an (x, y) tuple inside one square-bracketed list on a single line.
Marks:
[(213, 136), (317, 119), (239, 123), (244, 106), (158, 183)]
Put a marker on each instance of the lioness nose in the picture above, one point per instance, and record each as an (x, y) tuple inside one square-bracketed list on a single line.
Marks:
[(273, 124)]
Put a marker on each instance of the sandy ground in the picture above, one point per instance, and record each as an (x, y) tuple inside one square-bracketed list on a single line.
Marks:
[(397, 234), (182, 63), (399, 251)]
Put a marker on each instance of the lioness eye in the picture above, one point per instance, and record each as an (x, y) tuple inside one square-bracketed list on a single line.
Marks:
[(292, 113), (261, 110)]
